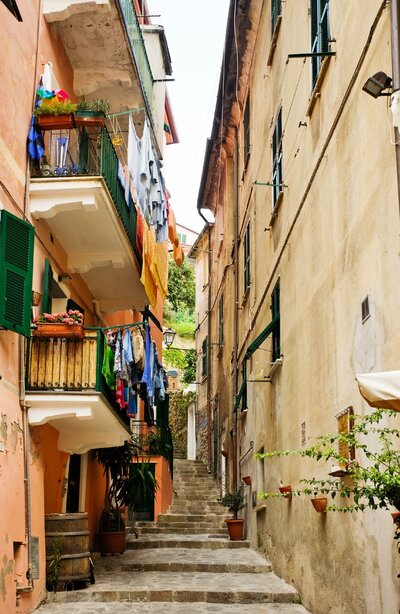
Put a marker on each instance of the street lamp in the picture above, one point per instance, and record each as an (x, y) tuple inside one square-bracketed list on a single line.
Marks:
[(375, 85), (169, 336)]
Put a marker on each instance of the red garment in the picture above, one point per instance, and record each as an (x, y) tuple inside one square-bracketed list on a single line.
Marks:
[(119, 394), (139, 232)]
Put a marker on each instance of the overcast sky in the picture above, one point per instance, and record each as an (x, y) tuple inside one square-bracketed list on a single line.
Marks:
[(195, 32)]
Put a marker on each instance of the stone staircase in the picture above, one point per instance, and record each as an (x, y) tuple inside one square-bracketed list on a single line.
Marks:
[(184, 564)]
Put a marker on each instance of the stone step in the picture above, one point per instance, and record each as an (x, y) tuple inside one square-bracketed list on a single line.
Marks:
[(199, 541), (186, 560), (169, 517), (188, 587), (184, 531), (173, 607), (185, 509)]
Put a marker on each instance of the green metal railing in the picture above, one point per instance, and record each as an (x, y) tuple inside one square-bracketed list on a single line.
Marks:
[(109, 171), (138, 49)]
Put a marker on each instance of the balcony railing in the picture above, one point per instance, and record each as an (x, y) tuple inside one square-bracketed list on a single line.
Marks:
[(86, 152), (68, 365), (138, 48)]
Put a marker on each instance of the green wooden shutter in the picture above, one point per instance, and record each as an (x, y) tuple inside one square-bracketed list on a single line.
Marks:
[(47, 287), (16, 267)]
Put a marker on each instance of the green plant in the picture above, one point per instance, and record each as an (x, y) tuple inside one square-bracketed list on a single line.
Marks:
[(189, 372), (373, 482), (181, 286), (100, 105), (53, 106), (54, 563), (234, 500)]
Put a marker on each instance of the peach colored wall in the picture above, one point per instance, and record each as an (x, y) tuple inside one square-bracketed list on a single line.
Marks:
[(55, 466), (20, 67), (95, 490)]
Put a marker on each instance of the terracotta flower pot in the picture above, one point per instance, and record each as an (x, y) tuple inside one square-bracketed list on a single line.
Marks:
[(235, 528), (112, 543), (320, 504), (396, 517), (247, 480), (58, 330), (54, 122), (286, 490)]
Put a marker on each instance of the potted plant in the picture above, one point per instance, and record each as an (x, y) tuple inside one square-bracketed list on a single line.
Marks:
[(59, 325), (371, 483), (91, 112), (234, 501), (123, 489), (55, 114), (286, 491)]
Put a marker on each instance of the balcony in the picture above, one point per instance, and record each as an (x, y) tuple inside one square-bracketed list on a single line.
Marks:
[(78, 193), (66, 389), (105, 46)]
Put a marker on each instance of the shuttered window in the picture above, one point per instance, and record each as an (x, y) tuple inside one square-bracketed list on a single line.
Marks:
[(221, 321), (277, 159), (16, 266), (276, 9), (276, 333), (246, 258), (319, 12), (47, 287)]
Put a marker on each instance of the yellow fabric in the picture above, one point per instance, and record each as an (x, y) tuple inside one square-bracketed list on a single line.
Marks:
[(159, 268), (178, 255), (172, 234), (147, 280)]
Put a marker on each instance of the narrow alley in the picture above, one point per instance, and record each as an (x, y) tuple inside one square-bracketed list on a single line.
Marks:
[(185, 563)]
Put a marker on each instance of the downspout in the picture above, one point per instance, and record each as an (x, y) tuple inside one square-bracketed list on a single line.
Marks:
[(395, 36), (236, 305), (208, 341)]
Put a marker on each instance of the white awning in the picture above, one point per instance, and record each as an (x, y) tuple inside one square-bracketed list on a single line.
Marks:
[(380, 389)]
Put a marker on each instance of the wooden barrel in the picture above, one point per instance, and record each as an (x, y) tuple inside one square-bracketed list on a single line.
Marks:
[(68, 535)]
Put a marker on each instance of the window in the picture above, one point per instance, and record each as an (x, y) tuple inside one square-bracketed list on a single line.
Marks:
[(276, 333), (246, 132), (16, 267), (182, 238), (204, 357), (277, 159), (244, 384), (276, 9), (221, 321), (365, 313), (246, 258), (319, 11)]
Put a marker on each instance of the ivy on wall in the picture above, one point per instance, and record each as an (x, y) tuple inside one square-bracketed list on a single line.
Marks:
[(178, 406)]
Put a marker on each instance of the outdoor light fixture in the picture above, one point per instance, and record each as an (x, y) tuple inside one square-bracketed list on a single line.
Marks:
[(169, 336), (375, 85)]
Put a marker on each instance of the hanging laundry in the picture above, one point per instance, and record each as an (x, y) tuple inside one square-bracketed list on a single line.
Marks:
[(108, 364), (172, 232), (132, 406), (138, 348), (147, 259), (159, 268), (179, 256), (134, 159), (139, 231), (148, 376)]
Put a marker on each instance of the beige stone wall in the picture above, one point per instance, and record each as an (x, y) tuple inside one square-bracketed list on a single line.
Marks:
[(333, 242)]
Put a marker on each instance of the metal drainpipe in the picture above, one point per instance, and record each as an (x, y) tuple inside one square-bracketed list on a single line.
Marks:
[(395, 35), (208, 341), (236, 307)]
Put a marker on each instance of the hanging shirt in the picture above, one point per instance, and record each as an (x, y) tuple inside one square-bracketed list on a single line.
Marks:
[(108, 365), (134, 159), (148, 375)]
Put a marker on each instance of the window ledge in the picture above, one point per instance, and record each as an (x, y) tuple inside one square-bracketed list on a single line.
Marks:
[(275, 367), (274, 40), (276, 208), (316, 93)]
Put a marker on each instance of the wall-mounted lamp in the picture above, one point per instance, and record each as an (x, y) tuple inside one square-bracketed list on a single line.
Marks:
[(375, 85), (169, 336)]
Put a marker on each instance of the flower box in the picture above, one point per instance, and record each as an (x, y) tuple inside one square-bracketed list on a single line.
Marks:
[(89, 118), (54, 122), (58, 330)]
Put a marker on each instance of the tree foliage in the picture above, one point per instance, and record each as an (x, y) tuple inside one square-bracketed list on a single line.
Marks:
[(181, 286), (189, 372)]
